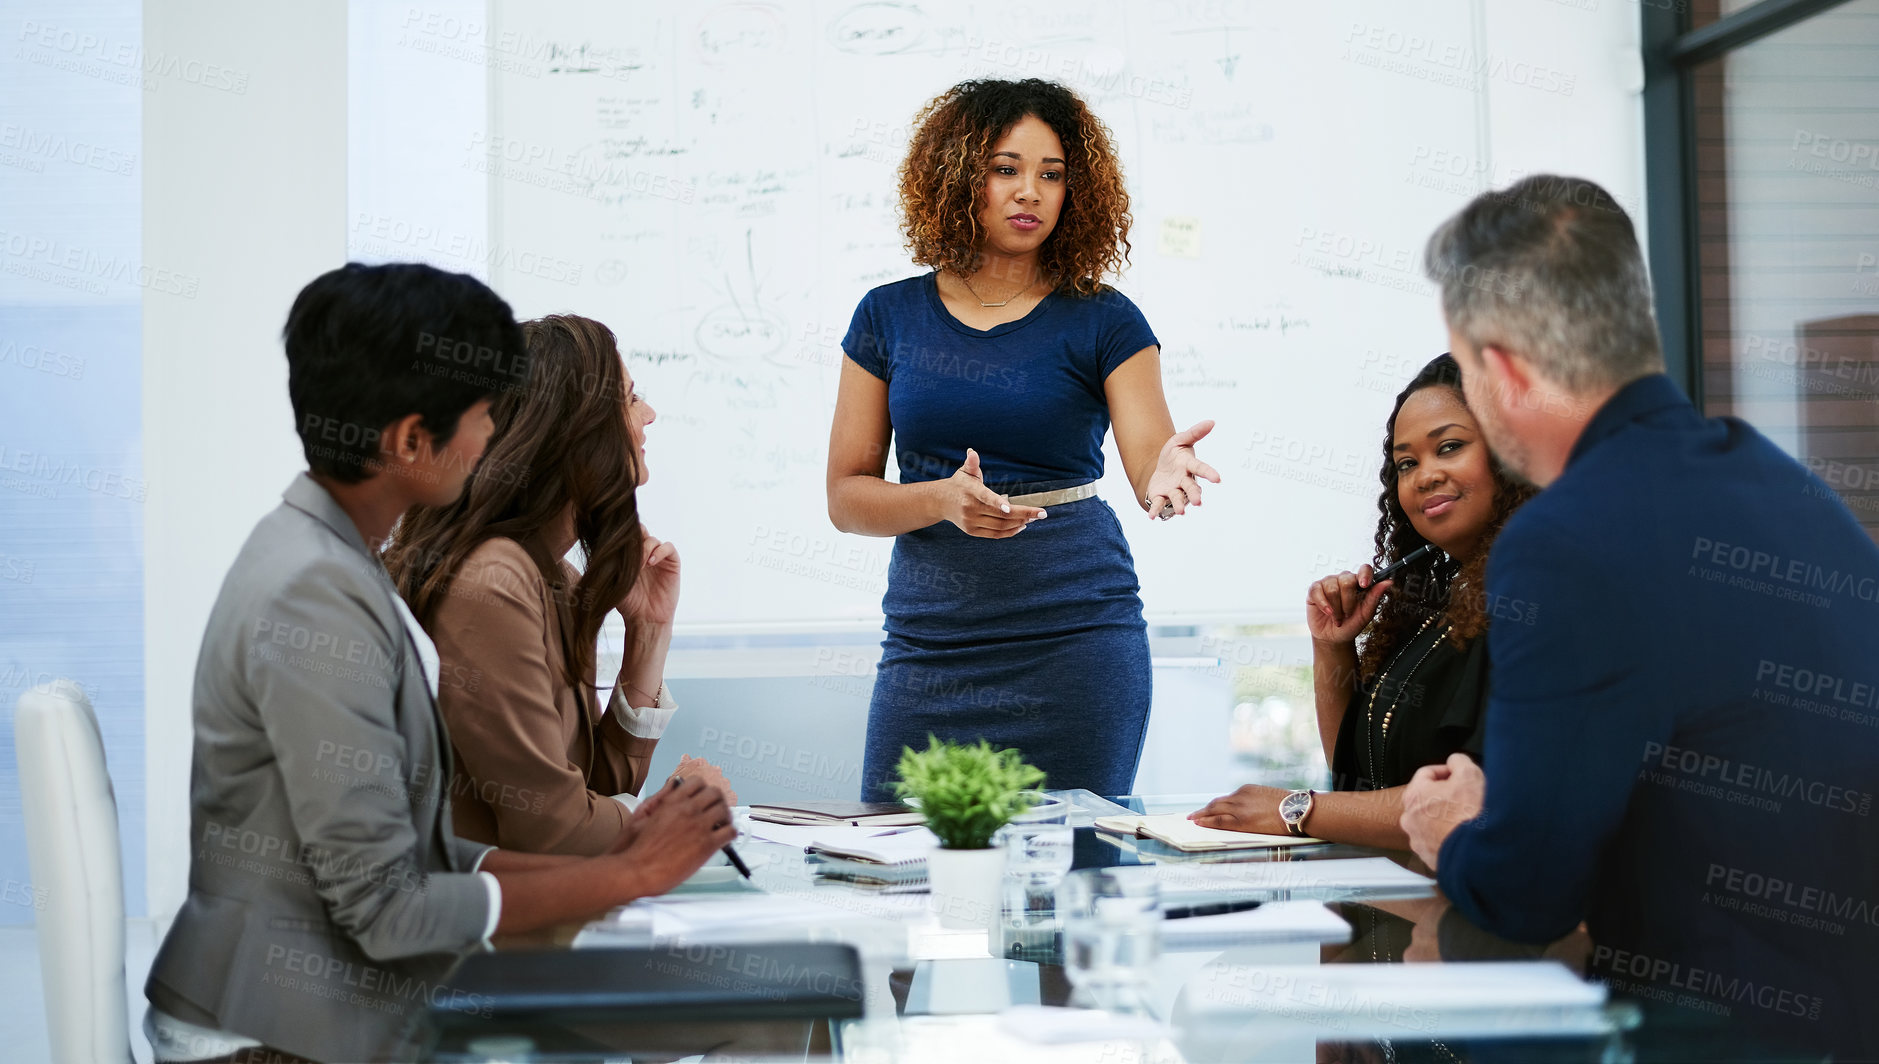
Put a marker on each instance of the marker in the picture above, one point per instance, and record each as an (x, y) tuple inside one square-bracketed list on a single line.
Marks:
[(736, 861), (1182, 912), (1389, 571)]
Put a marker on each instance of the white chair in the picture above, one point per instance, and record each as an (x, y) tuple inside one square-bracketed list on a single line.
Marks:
[(72, 847)]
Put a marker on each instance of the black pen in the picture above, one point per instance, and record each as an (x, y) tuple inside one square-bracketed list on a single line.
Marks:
[(1218, 908), (1389, 571), (736, 861)]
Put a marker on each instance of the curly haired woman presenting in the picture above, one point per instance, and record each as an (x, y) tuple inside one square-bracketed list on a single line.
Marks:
[(1417, 690), (1012, 607)]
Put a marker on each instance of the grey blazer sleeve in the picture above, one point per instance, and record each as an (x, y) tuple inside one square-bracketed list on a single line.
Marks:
[(468, 854), (326, 698)]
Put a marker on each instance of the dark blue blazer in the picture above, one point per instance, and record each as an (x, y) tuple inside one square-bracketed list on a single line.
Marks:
[(1683, 731)]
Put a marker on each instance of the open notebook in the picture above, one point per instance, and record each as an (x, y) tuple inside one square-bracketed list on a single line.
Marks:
[(1178, 831)]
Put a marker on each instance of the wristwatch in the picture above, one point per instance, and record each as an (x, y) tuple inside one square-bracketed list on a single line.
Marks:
[(1293, 809)]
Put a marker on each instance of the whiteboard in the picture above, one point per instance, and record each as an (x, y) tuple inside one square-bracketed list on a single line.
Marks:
[(716, 182)]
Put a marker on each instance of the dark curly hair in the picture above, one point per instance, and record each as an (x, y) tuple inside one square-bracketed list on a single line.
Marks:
[(943, 178), (1435, 582)]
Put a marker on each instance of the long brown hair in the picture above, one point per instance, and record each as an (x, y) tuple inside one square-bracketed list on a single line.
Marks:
[(562, 439), (1435, 582)]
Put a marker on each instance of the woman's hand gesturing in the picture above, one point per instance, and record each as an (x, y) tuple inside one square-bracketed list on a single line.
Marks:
[(1337, 609), (1175, 484), (977, 509)]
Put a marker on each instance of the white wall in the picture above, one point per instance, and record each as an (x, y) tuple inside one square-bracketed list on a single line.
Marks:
[(417, 104), (246, 191), (1563, 95)]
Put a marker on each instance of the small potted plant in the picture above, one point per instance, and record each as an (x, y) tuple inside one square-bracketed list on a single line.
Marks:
[(965, 794)]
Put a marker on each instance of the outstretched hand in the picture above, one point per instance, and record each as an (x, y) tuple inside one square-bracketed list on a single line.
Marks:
[(1175, 484)]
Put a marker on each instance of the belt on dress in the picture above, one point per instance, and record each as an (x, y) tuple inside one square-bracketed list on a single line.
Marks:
[(1057, 498)]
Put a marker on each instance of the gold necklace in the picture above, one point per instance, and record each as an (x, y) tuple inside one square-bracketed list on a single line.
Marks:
[(975, 293), (1370, 711)]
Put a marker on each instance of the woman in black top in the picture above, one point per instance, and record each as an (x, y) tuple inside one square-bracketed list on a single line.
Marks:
[(1414, 689)]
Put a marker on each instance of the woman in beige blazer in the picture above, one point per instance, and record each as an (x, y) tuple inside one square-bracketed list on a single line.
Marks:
[(540, 766)]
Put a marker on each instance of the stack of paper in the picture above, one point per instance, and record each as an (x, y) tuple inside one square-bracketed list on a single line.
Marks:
[(1277, 921), (1054, 1025), (1343, 874), (891, 859), (876, 926), (700, 919), (894, 864), (838, 835), (993, 1039), (909, 847), (1416, 1001), (854, 814)]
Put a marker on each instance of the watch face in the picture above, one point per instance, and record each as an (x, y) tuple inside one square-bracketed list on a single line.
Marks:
[(1293, 805)]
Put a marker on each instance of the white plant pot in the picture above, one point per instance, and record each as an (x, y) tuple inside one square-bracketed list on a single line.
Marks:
[(967, 886)]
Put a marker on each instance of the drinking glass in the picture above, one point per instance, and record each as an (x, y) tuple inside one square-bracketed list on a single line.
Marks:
[(1039, 844), (1111, 934)]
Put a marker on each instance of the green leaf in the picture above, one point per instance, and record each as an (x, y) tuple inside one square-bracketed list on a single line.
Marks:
[(966, 792)]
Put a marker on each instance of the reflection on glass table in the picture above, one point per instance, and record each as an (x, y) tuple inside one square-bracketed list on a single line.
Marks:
[(1367, 964)]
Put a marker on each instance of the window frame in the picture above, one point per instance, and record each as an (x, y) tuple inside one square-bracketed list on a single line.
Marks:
[(1672, 51)]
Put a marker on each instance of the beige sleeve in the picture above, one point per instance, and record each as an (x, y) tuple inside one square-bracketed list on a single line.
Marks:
[(508, 731)]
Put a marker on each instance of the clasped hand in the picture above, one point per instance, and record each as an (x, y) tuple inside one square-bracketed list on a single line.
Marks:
[(1439, 799), (980, 511)]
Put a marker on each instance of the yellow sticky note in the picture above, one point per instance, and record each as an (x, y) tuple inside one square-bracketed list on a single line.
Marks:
[(1180, 237)]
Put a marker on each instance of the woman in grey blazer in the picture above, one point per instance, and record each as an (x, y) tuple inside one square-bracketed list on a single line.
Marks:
[(328, 895)]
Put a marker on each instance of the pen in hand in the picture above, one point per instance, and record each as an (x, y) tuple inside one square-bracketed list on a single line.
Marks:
[(1389, 571), (736, 861)]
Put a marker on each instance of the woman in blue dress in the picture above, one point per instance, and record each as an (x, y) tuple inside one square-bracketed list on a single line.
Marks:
[(1012, 607)]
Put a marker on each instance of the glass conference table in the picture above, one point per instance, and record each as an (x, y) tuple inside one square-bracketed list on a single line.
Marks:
[(932, 994)]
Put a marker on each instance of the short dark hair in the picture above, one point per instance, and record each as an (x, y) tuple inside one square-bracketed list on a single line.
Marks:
[(367, 345), (1550, 267)]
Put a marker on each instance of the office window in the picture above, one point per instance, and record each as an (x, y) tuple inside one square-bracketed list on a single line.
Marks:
[(1702, 14), (1787, 179), (1762, 155), (72, 489)]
